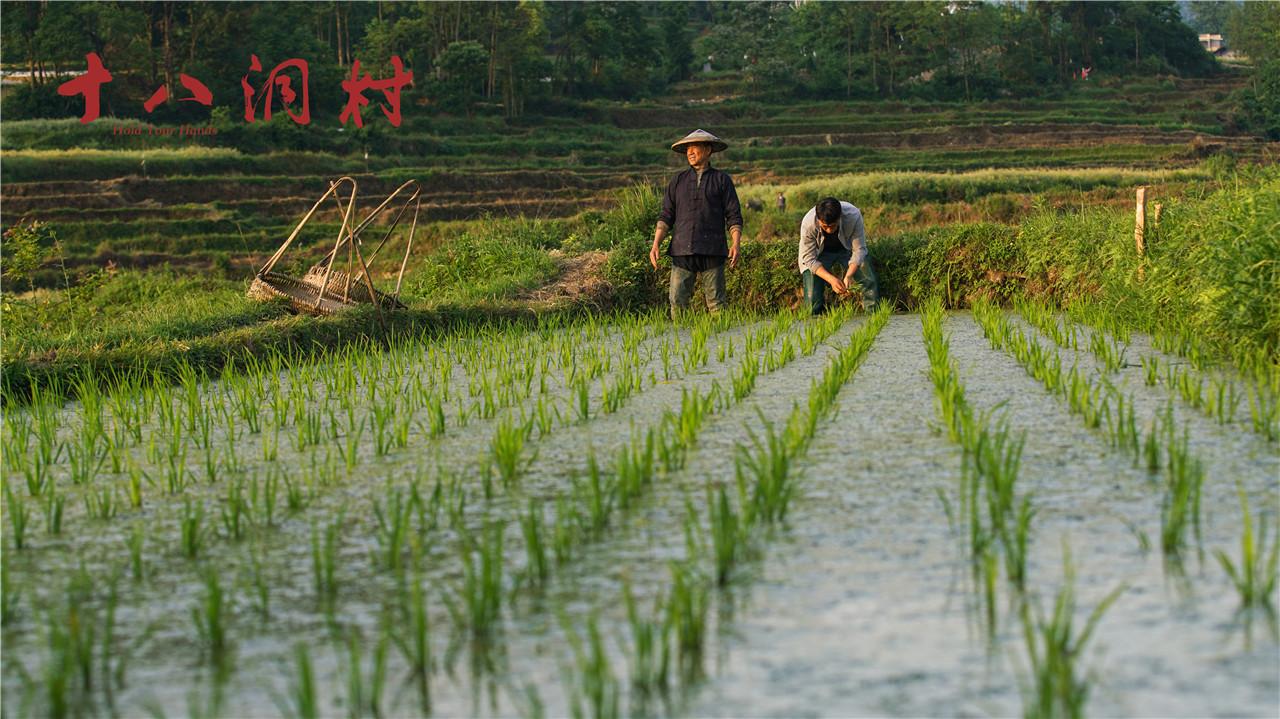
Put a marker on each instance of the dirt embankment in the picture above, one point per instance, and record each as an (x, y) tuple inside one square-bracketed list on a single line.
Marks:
[(580, 283)]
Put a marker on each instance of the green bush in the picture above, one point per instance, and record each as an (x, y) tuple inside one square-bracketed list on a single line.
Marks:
[(493, 262)]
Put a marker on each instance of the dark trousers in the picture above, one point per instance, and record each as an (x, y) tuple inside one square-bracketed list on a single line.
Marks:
[(815, 288)]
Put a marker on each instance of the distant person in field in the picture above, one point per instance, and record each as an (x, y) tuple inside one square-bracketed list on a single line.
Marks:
[(781, 202), (699, 204), (833, 253)]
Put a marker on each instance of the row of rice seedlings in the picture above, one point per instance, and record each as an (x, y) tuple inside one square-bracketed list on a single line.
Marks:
[(765, 485), (1055, 685), (998, 523), (1099, 318), (1093, 402), (1183, 472), (1221, 401), (590, 506), (1045, 318), (595, 497)]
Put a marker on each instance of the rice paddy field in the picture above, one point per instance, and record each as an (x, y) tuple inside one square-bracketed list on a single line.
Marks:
[(1042, 479), (994, 511)]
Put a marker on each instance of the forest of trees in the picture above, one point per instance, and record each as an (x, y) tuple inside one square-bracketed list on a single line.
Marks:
[(503, 57)]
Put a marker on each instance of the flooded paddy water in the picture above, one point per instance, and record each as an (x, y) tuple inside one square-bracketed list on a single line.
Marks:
[(635, 517)]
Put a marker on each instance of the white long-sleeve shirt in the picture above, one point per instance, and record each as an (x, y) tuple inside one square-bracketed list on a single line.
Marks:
[(852, 234)]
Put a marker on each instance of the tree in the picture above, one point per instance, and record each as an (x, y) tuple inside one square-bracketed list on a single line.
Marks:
[(462, 72)]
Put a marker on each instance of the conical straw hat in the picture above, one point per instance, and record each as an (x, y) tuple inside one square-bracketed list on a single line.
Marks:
[(717, 145)]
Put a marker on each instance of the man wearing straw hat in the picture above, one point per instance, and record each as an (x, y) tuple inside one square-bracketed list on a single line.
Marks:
[(699, 204)]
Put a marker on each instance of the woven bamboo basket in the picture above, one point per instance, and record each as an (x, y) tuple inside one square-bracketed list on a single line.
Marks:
[(302, 293)]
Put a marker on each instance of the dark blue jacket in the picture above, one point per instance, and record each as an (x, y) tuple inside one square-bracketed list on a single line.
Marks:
[(699, 216)]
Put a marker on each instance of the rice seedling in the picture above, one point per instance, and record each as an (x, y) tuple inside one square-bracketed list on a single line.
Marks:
[(1108, 352), (235, 511), (271, 445), (650, 647), (1083, 399), (593, 690), (565, 530), (686, 618), (324, 562), (1151, 370), (260, 585), (730, 534), (595, 496), (634, 468), (1057, 685), (1122, 427), (532, 526), (264, 495), (36, 475), (766, 468), (19, 516), (191, 528), (10, 596), (84, 460), (583, 405), (392, 530), (478, 604), (1255, 576), (54, 504), (506, 450), (302, 690), (1151, 450), (73, 642), (1180, 503), (135, 541), (100, 503), (1264, 412), (297, 494), (1222, 401), (364, 696), (210, 617), (546, 414), (744, 380), (696, 355)]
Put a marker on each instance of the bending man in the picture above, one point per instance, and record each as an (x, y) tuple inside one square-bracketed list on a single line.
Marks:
[(832, 238), (699, 203)]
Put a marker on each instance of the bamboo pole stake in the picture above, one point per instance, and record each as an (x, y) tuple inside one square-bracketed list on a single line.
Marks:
[(1140, 221)]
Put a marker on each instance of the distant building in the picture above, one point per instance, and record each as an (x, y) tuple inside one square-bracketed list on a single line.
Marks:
[(1212, 43)]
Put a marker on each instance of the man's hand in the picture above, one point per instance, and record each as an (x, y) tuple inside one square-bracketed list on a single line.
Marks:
[(838, 285), (848, 275), (733, 255), (653, 255)]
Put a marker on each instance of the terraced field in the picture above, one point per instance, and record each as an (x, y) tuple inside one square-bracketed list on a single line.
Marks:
[(141, 201), (743, 514)]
